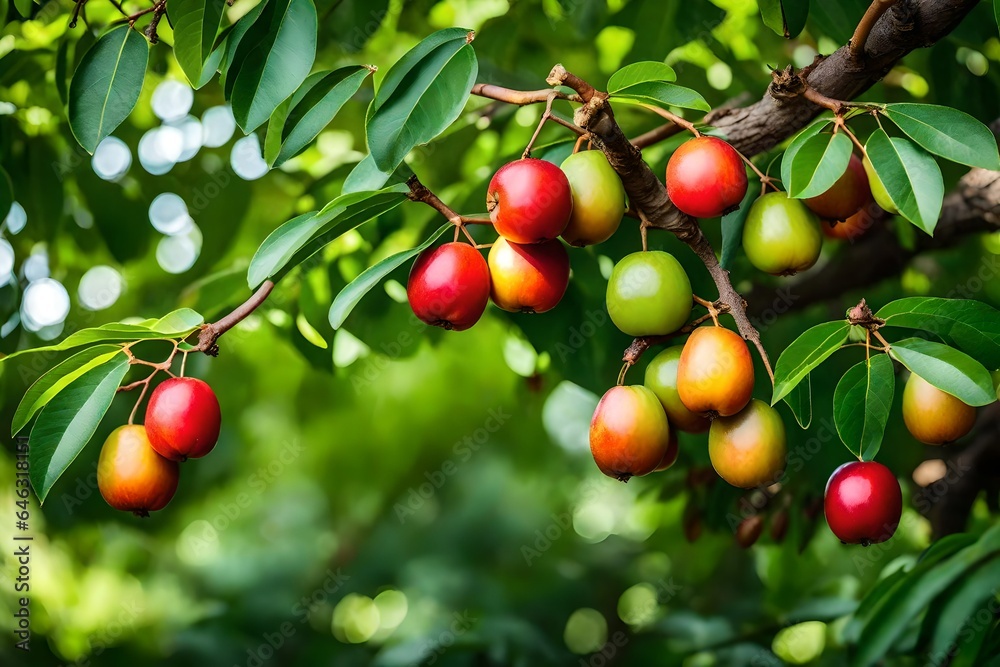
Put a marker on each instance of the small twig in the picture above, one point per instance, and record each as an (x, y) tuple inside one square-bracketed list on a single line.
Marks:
[(868, 21), (634, 351), (673, 118), (210, 333), (656, 135), (77, 8), (541, 123), (881, 339), (579, 142), (519, 97)]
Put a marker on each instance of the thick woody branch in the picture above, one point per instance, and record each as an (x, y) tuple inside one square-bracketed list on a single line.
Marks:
[(868, 21)]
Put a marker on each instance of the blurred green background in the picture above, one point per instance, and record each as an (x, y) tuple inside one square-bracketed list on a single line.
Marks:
[(391, 495)]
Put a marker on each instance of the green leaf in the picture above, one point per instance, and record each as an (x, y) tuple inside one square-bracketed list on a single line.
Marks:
[(300, 237), (799, 400), (817, 164), (971, 646), (106, 85), (861, 405), (893, 614), (45, 388), (24, 7), (647, 70), (947, 369), (373, 275), (732, 228), (663, 94), (234, 35), (785, 17), (954, 608), (911, 178), (795, 145), (805, 353), (971, 326), (68, 422), (211, 66), (273, 59), (313, 106), (948, 132), (422, 94), (366, 176), (6, 194), (196, 23)]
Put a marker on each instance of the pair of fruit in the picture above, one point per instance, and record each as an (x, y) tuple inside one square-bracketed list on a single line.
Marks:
[(531, 202), (138, 470)]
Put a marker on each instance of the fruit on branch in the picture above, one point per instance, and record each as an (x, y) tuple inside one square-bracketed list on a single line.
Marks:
[(846, 196), (748, 449), (131, 476), (863, 503), (449, 286), (932, 416), (629, 434), (715, 372), (598, 198), (749, 530), (528, 278), (183, 419), (670, 456), (781, 236), (779, 525), (661, 379), (706, 177), (879, 192), (649, 294), (529, 201), (854, 227)]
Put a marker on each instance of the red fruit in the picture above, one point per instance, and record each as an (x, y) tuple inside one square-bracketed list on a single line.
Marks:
[(846, 196), (449, 286), (863, 503), (715, 372), (629, 433), (670, 456), (528, 278), (749, 530), (854, 227), (529, 201), (183, 419), (131, 476), (706, 177)]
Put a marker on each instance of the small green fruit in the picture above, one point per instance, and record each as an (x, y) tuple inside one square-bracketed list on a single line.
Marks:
[(781, 235), (879, 192), (649, 294), (598, 198)]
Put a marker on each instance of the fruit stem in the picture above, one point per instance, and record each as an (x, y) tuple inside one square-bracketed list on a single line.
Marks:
[(765, 180), (865, 25), (621, 374), (142, 394), (673, 118), (541, 123), (881, 339), (713, 312), (839, 122), (579, 142)]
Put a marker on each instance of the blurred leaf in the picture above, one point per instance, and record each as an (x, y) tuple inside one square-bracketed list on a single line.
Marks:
[(351, 23), (861, 405), (640, 72), (911, 178), (45, 388), (948, 132), (799, 400), (662, 26), (817, 164), (373, 275), (805, 353), (195, 23), (213, 293), (944, 625), (785, 17), (947, 369), (366, 176), (6, 194), (661, 93), (836, 20), (68, 422), (795, 145), (422, 93), (732, 228), (24, 7), (106, 86), (970, 648), (971, 326)]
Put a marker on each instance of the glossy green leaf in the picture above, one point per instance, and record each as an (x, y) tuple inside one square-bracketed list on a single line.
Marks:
[(106, 85), (273, 59), (231, 62), (795, 145), (973, 650), (817, 164), (948, 132), (373, 275), (300, 237), (732, 228), (799, 400), (947, 369), (944, 625), (68, 57), (663, 94), (640, 72), (861, 405), (45, 388), (422, 94), (971, 326), (6, 194), (787, 18), (211, 65), (911, 178), (24, 7), (366, 176), (313, 106), (805, 353), (69, 420), (196, 24)]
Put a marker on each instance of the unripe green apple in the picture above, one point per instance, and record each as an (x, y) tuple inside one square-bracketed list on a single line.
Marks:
[(598, 198), (649, 294), (781, 235), (879, 192)]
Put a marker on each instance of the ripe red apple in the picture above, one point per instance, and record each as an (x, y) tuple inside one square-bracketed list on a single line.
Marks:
[(449, 286), (528, 278), (706, 177), (863, 503), (846, 196), (183, 419), (131, 476), (629, 434), (529, 201)]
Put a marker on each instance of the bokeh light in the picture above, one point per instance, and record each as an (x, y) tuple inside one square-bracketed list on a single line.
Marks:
[(36, 266), (169, 214), (178, 253), (172, 100), (100, 287), (247, 160), (355, 619), (45, 304), (112, 159), (16, 218), (190, 128), (6, 260), (158, 153), (586, 631), (218, 126), (801, 643)]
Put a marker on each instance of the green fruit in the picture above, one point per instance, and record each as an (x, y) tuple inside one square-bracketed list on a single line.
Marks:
[(781, 235), (649, 294), (748, 449), (661, 379), (879, 192), (598, 198)]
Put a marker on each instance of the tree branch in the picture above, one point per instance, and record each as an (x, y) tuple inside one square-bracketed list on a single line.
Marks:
[(210, 333), (868, 21)]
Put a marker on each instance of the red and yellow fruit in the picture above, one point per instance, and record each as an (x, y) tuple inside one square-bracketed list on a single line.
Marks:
[(449, 286), (131, 476), (706, 177), (598, 198), (629, 434), (846, 196), (528, 278), (661, 379), (670, 456), (932, 416), (183, 419), (748, 449), (715, 372), (529, 201)]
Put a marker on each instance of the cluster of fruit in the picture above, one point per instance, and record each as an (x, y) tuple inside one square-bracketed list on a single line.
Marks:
[(138, 469)]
